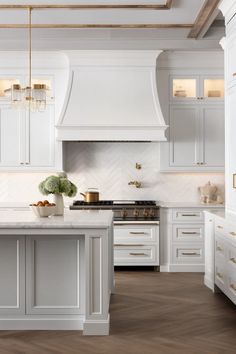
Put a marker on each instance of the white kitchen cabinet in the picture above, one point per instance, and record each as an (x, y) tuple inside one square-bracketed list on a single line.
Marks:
[(11, 135), (12, 275), (28, 140), (182, 238), (196, 138), (193, 106), (184, 136), (40, 138), (228, 8), (53, 273), (136, 244), (220, 267)]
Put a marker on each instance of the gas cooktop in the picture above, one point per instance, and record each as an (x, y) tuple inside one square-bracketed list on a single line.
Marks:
[(129, 210), (133, 203)]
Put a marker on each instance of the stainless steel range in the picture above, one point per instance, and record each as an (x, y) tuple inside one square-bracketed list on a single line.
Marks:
[(136, 230), (140, 210)]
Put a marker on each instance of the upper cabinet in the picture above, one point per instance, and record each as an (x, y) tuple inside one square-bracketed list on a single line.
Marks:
[(196, 89), (196, 138), (27, 139), (194, 112)]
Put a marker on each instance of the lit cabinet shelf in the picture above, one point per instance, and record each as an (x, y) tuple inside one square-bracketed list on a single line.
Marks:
[(199, 89)]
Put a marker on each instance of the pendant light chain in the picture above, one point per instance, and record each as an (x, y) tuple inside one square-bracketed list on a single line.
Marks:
[(33, 97)]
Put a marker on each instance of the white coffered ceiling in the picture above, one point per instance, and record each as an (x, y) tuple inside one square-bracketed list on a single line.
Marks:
[(182, 13)]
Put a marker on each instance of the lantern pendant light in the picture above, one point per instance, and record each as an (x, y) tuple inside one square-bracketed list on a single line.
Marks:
[(31, 97)]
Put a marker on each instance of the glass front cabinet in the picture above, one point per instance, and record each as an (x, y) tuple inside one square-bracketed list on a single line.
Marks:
[(196, 88)]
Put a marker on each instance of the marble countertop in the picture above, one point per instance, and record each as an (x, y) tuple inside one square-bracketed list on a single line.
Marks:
[(189, 205), (25, 219)]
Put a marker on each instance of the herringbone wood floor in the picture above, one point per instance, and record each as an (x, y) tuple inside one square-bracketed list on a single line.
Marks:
[(151, 313)]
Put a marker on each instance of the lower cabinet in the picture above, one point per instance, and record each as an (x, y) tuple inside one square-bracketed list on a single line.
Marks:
[(12, 275), (44, 270), (182, 240), (136, 244), (225, 266)]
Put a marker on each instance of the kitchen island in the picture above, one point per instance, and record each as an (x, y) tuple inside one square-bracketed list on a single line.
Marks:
[(56, 273)]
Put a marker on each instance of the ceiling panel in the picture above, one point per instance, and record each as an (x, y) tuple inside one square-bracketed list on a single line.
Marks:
[(183, 11)]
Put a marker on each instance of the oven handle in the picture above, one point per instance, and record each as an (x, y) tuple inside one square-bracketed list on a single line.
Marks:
[(136, 222)]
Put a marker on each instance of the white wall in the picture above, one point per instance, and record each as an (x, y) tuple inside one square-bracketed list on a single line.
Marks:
[(109, 167)]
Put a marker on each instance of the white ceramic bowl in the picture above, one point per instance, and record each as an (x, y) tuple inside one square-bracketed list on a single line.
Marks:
[(43, 211)]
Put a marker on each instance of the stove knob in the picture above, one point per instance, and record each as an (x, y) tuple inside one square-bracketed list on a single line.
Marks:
[(146, 213), (123, 213), (136, 213), (152, 213)]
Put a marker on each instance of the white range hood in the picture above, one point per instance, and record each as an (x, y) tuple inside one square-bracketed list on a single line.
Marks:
[(112, 96)]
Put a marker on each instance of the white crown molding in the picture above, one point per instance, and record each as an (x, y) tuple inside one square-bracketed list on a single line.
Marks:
[(228, 8)]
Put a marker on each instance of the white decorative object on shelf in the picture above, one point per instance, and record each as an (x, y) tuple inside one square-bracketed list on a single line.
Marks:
[(208, 193)]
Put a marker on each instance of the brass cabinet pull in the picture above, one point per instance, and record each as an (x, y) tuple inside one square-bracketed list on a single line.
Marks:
[(234, 74), (137, 233), (190, 253), (138, 254), (233, 287), (219, 275), (128, 245), (189, 215), (190, 233), (232, 233), (233, 260), (220, 227), (218, 248)]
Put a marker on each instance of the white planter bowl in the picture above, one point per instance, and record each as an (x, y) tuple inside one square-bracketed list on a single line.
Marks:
[(43, 211)]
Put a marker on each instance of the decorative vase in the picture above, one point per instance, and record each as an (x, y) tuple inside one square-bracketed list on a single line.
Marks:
[(58, 200)]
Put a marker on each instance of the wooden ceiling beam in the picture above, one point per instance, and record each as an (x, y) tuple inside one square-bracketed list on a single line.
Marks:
[(203, 17), (165, 6), (71, 26)]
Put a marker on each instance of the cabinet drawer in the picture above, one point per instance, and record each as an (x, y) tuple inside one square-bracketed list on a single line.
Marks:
[(220, 276), (219, 250), (130, 255), (224, 229), (187, 215), (231, 288), (139, 233), (188, 254), (189, 233), (231, 258)]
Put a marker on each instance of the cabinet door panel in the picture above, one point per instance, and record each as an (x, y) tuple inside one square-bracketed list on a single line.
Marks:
[(40, 149), (213, 136), (230, 149), (54, 277), (184, 132), (11, 128), (231, 62), (12, 274)]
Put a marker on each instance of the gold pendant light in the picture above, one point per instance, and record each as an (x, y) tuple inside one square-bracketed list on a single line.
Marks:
[(32, 97)]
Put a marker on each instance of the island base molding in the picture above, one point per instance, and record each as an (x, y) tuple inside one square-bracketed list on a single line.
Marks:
[(77, 323)]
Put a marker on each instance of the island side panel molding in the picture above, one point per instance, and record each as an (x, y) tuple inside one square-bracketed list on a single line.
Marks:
[(97, 277), (54, 274), (12, 275)]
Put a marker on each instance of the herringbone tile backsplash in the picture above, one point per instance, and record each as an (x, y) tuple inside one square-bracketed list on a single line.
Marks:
[(109, 167)]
